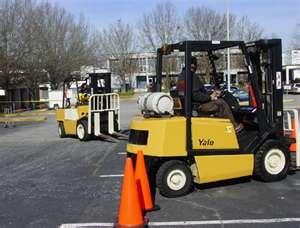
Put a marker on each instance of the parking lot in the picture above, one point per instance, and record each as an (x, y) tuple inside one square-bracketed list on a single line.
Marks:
[(46, 181)]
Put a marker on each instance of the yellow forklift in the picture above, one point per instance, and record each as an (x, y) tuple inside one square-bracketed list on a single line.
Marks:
[(185, 146), (89, 108)]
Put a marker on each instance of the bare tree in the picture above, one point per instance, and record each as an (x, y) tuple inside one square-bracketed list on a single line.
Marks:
[(10, 52), (202, 23), (160, 26), (43, 42), (30, 62), (67, 45), (118, 43), (54, 24), (39, 40), (247, 31)]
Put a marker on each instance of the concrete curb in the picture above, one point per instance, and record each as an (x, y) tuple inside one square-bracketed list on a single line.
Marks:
[(30, 113), (22, 119)]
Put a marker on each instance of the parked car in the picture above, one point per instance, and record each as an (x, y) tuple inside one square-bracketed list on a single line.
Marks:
[(296, 88), (233, 89), (241, 95), (208, 87), (287, 88)]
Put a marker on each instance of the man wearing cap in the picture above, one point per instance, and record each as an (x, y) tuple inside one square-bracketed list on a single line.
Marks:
[(209, 102)]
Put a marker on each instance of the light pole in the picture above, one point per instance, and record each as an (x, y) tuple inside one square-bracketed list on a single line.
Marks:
[(228, 50)]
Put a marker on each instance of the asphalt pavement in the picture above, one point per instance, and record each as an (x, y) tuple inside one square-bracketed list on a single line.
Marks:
[(46, 181)]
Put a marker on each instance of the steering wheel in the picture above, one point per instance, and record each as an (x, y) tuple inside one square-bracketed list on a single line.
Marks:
[(230, 100)]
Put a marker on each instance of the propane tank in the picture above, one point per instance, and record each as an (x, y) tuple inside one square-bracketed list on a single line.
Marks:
[(159, 103), (141, 101)]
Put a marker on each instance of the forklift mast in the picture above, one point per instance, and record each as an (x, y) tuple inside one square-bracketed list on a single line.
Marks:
[(100, 83), (266, 56)]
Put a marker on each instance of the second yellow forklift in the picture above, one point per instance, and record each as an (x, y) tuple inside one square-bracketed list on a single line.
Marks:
[(89, 108)]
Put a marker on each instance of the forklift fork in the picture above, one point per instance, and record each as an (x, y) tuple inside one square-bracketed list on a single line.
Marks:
[(104, 104)]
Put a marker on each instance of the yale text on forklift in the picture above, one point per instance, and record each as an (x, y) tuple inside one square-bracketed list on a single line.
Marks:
[(206, 142)]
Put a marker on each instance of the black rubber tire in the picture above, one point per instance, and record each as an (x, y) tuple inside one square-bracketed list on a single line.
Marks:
[(61, 130), (260, 171), (162, 175), (86, 136)]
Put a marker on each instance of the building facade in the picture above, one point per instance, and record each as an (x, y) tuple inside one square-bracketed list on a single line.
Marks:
[(291, 68), (144, 73)]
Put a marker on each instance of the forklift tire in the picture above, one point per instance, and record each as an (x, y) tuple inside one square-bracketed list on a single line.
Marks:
[(82, 130), (174, 178), (61, 130), (271, 161)]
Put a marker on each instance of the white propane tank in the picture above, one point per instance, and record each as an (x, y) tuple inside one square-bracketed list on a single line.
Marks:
[(141, 101), (159, 103)]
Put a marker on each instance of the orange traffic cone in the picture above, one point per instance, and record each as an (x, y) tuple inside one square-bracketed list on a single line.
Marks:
[(130, 212), (142, 181), (293, 136)]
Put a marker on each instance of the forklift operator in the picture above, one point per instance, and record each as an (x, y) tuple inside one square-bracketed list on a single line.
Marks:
[(84, 93), (209, 102)]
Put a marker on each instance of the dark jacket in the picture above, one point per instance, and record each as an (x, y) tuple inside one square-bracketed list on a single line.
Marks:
[(199, 93)]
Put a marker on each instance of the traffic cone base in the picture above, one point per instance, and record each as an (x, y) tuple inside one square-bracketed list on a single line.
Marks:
[(154, 208), (145, 224)]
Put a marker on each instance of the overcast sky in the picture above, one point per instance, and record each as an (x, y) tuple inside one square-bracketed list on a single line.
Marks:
[(275, 16)]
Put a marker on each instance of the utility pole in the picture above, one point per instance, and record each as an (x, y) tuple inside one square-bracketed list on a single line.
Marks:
[(228, 49)]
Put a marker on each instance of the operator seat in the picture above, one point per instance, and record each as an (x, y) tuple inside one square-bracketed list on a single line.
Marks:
[(179, 105)]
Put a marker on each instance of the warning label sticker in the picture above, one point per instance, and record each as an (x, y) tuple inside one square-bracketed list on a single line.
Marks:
[(278, 80)]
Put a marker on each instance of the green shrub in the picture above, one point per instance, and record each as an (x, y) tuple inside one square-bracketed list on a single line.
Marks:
[(128, 93)]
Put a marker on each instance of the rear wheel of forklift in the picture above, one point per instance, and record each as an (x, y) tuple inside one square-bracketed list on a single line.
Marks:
[(61, 130), (82, 130), (271, 161), (174, 178)]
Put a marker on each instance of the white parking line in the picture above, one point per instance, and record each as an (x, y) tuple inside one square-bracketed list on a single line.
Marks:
[(103, 224), (220, 222), (194, 223), (122, 153), (111, 175)]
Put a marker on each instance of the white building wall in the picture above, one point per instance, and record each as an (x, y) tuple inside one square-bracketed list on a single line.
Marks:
[(295, 57)]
